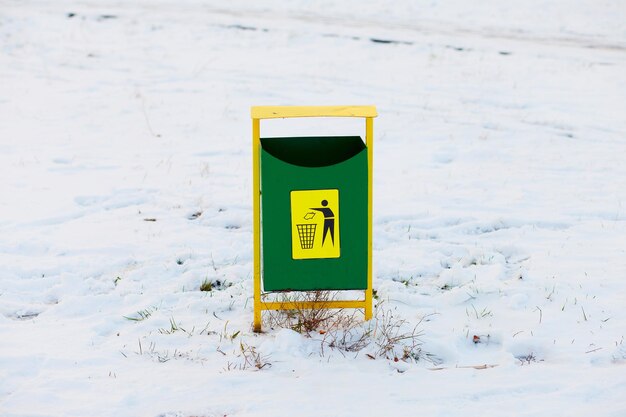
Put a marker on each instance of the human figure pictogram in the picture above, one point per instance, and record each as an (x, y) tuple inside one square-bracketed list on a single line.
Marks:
[(329, 221)]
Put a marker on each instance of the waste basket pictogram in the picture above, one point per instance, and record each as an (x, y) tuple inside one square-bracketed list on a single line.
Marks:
[(306, 233)]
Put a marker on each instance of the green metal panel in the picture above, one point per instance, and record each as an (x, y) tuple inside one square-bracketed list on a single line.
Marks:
[(313, 163)]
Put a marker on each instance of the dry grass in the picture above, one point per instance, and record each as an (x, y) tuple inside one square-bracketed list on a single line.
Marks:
[(303, 320), (385, 336), (250, 358)]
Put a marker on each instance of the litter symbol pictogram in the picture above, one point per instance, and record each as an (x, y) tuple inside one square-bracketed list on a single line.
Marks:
[(317, 236)]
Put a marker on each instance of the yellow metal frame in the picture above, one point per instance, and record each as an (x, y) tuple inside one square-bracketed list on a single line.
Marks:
[(259, 113)]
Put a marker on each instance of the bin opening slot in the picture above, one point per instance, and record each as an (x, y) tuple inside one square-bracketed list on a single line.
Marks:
[(313, 151)]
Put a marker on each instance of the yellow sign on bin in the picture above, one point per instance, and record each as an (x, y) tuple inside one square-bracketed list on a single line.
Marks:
[(315, 224)]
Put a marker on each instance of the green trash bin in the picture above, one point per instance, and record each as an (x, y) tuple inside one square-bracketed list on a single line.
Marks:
[(314, 211)]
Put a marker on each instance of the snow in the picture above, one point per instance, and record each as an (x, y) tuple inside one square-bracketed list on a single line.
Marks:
[(500, 204)]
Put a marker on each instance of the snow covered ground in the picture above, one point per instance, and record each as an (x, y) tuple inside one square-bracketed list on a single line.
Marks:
[(500, 204)]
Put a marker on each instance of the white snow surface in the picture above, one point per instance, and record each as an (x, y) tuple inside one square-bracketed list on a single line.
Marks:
[(499, 204)]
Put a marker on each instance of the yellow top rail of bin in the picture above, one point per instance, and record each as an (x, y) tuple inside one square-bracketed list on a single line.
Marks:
[(283, 112)]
